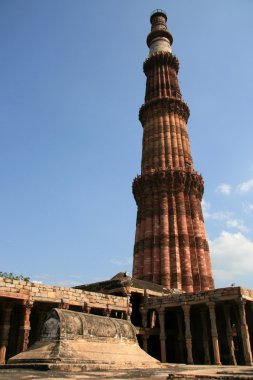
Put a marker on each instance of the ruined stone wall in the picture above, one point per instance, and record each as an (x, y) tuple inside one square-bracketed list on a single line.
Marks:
[(24, 306), (22, 290)]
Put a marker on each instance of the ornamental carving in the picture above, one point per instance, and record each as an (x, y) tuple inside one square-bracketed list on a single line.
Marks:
[(161, 58), (162, 105), (170, 181), (71, 325)]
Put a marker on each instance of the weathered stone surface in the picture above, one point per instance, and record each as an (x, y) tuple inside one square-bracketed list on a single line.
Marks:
[(75, 341), (55, 294), (179, 372)]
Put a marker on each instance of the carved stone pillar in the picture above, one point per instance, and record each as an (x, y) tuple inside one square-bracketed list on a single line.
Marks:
[(4, 331), (161, 315), (86, 308), (152, 319), (25, 327), (129, 307), (124, 315), (63, 305), (188, 336), (106, 312), (144, 315), (205, 338), (216, 350), (229, 333), (245, 333)]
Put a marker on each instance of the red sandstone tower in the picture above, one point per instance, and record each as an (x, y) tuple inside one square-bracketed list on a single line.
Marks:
[(171, 248)]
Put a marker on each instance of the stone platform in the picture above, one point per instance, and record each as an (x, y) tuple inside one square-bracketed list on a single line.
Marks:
[(179, 372)]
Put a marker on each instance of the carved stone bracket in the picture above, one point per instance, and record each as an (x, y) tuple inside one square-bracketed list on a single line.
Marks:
[(170, 181), (161, 58)]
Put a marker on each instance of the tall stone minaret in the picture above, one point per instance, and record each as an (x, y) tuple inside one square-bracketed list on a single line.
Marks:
[(171, 248)]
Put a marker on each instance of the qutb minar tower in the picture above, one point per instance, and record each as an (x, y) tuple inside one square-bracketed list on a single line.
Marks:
[(171, 247)]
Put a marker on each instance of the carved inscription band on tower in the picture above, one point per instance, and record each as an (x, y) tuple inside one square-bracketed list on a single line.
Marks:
[(171, 248)]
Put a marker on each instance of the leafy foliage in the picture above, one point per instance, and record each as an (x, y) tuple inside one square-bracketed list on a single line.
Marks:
[(14, 276)]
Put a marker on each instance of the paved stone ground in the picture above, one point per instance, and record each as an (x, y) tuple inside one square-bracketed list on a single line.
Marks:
[(174, 371)]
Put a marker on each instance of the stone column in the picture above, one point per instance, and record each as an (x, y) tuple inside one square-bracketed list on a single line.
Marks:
[(129, 306), (229, 333), (124, 315), (4, 330), (106, 312), (144, 337), (216, 350), (245, 333), (63, 305), (250, 330), (86, 308), (205, 338), (152, 319), (188, 336), (144, 315), (161, 315), (25, 327)]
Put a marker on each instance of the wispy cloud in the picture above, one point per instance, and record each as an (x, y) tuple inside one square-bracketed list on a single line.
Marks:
[(214, 215), (238, 224), (232, 256), (224, 216), (67, 283), (206, 206), (247, 207), (50, 279), (224, 188), (245, 187), (122, 262)]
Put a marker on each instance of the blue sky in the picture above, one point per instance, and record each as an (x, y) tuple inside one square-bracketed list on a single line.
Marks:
[(70, 139)]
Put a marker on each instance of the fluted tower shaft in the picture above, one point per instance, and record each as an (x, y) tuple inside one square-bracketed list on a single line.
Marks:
[(171, 248)]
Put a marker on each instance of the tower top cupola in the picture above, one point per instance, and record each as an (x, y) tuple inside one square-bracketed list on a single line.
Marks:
[(159, 39)]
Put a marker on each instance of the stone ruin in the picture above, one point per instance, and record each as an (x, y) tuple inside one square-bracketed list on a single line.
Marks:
[(179, 316), (71, 340)]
